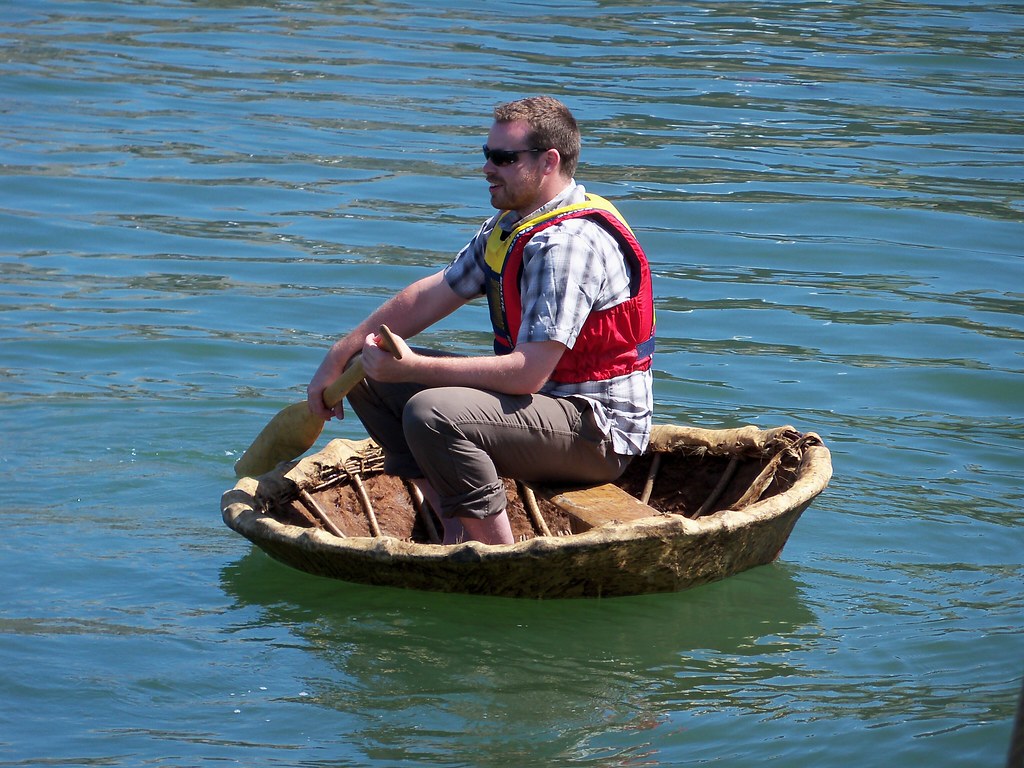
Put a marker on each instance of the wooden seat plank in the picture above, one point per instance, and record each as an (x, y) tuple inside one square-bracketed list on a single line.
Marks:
[(597, 505)]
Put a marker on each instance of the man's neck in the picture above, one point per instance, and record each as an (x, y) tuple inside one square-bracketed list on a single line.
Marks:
[(551, 202)]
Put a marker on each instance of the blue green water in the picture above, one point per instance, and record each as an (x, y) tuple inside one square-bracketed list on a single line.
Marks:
[(195, 197)]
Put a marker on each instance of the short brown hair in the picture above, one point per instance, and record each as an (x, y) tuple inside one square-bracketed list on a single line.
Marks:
[(552, 126)]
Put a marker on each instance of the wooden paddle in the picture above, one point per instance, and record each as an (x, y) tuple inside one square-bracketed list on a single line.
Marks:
[(294, 429)]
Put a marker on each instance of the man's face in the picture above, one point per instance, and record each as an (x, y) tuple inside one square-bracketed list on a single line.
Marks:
[(515, 187)]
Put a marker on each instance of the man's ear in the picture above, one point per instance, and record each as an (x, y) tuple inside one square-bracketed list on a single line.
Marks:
[(552, 161)]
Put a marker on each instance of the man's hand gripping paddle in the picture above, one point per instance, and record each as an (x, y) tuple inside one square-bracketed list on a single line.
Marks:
[(294, 429)]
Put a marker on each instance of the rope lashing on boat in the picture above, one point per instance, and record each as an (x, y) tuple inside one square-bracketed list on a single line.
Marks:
[(533, 508), (767, 475), (423, 510), (364, 501), (652, 473), (318, 512), (370, 461)]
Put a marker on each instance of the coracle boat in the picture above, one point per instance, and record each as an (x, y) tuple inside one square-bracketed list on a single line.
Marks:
[(698, 506)]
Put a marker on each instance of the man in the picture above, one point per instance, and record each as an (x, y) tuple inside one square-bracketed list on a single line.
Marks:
[(567, 397)]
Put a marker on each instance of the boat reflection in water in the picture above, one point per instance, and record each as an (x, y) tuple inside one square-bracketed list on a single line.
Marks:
[(417, 675)]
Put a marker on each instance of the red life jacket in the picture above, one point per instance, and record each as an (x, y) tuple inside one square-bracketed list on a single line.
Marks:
[(613, 341)]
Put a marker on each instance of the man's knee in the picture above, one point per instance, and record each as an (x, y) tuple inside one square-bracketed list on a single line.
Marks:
[(422, 415)]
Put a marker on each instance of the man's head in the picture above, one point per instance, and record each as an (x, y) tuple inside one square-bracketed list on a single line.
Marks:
[(531, 153), (552, 126)]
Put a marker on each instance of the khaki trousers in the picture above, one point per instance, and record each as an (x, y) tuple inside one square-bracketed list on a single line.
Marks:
[(463, 441)]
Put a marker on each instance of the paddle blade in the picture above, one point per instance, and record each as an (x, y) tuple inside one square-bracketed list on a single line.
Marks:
[(288, 435)]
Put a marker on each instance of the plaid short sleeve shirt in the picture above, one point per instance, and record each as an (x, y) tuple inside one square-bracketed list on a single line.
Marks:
[(569, 270)]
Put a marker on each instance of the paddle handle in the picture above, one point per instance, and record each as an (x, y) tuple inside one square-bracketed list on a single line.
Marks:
[(352, 375)]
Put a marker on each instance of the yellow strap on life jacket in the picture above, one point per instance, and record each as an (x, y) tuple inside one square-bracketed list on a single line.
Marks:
[(499, 244)]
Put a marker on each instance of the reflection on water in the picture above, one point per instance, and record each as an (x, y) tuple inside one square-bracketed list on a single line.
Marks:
[(417, 669)]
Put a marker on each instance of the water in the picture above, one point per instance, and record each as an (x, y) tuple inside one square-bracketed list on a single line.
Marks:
[(197, 196)]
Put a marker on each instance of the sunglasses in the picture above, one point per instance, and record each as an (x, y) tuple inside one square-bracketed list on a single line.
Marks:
[(505, 156)]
